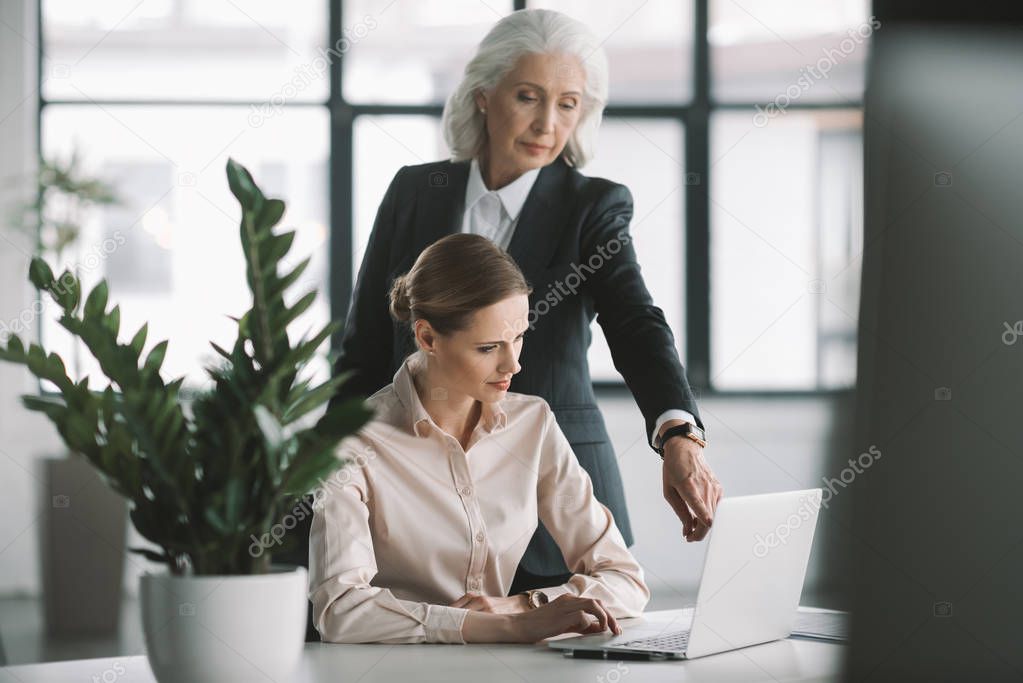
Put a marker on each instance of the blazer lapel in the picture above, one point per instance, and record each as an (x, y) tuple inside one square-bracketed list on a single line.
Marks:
[(538, 230)]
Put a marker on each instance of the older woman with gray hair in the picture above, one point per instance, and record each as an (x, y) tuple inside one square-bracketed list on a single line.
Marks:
[(520, 125)]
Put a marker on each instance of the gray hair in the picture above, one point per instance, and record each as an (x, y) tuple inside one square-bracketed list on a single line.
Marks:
[(531, 31)]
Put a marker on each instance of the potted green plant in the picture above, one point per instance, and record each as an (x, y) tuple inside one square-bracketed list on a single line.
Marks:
[(202, 482)]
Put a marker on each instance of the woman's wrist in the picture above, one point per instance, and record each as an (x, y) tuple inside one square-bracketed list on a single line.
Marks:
[(486, 627)]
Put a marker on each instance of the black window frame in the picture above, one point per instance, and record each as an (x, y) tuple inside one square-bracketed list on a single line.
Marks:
[(694, 116)]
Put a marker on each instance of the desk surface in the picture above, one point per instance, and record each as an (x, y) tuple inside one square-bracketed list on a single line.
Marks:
[(784, 660)]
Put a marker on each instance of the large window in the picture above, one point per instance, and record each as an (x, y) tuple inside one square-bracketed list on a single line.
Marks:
[(735, 124), (155, 97)]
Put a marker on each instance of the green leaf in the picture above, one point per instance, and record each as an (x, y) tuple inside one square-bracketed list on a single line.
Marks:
[(234, 499), (343, 419), (220, 351), (272, 212), (14, 347), (303, 475), (155, 358), (66, 291), (298, 309), (286, 281), (39, 273), (241, 184), (312, 399), (274, 249), (139, 340), (216, 520), (96, 303), (271, 429), (113, 322)]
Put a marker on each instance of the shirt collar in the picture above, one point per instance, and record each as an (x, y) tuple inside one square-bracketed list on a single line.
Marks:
[(512, 196), (419, 421)]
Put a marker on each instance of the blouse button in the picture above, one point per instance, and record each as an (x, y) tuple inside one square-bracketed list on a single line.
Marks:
[(480, 537), (466, 491)]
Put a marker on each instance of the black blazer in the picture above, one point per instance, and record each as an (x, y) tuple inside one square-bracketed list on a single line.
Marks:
[(570, 224)]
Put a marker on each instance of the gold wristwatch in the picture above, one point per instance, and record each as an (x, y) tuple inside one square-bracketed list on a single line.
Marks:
[(536, 598), (688, 430)]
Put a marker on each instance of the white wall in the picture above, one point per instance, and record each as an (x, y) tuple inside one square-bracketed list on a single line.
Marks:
[(24, 436)]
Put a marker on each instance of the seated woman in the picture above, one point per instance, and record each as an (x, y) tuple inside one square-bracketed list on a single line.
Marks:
[(422, 541)]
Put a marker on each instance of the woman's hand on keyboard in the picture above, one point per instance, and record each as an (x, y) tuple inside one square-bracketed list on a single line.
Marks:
[(564, 614)]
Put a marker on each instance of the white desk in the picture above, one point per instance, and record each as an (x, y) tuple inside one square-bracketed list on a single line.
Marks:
[(785, 660)]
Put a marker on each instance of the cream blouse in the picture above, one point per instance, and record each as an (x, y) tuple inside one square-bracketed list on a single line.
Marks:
[(413, 522)]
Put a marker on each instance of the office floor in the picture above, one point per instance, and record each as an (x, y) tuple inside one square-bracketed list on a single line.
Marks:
[(21, 628)]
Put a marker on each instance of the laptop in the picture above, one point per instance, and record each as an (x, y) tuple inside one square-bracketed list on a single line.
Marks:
[(753, 572)]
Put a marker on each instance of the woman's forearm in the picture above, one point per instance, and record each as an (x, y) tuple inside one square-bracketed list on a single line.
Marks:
[(485, 627)]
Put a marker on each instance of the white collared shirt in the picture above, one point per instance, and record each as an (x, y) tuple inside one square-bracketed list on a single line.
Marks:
[(495, 213)]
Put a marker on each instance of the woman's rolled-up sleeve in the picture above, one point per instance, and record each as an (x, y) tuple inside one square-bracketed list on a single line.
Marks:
[(346, 608), (585, 531)]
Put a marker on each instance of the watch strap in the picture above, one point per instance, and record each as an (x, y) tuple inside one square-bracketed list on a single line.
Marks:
[(688, 430)]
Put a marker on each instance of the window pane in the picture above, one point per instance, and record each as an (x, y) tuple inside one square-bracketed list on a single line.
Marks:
[(786, 239), (258, 50), (649, 45), (781, 52), (171, 252), (647, 157), (383, 144), (412, 51)]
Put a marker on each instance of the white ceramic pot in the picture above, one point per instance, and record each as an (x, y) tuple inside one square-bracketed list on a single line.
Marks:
[(224, 629)]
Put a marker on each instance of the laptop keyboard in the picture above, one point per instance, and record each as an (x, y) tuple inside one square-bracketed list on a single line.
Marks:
[(669, 642), (813, 624)]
